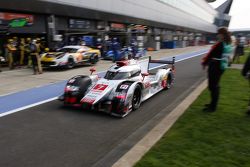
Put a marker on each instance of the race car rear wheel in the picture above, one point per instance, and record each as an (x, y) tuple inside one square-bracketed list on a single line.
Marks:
[(169, 82), (136, 99), (71, 63), (94, 59)]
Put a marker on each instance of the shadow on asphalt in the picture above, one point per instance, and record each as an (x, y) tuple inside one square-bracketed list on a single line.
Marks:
[(81, 112)]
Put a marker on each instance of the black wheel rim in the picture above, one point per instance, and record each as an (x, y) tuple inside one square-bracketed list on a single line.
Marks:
[(70, 63), (136, 98), (168, 83)]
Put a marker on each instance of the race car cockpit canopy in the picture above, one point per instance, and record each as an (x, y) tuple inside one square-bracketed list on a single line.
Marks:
[(119, 72)]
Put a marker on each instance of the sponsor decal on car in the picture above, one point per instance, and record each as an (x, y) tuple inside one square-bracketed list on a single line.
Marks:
[(88, 100), (99, 88)]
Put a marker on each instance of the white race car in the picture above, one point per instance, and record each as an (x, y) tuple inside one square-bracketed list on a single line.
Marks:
[(124, 87)]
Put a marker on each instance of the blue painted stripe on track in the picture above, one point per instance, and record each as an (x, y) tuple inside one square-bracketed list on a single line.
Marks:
[(31, 96), (35, 95)]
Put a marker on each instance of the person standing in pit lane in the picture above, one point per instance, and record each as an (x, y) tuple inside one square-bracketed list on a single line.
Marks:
[(39, 48), (34, 56), (11, 49), (216, 66), (27, 52), (22, 52), (239, 50)]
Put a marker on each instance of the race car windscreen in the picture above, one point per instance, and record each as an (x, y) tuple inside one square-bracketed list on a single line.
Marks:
[(68, 50), (117, 75)]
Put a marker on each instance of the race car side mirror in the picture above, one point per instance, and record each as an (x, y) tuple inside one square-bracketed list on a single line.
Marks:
[(92, 70), (144, 75)]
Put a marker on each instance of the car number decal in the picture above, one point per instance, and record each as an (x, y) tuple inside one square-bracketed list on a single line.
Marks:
[(100, 87), (124, 87)]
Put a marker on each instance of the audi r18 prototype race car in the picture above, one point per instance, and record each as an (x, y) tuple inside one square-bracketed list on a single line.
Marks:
[(124, 87), (69, 56)]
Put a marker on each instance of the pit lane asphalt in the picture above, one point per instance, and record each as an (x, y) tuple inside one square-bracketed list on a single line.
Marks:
[(52, 136)]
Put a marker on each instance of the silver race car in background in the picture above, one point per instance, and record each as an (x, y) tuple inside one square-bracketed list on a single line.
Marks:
[(124, 87), (70, 56)]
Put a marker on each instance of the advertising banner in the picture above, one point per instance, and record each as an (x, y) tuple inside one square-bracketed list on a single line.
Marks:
[(16, 20)]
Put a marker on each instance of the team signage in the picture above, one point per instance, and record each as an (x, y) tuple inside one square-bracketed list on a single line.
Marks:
[(117, 27), (81, 24)]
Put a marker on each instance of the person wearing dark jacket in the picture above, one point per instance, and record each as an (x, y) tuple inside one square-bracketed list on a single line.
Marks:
[(214, 61), (246, 73)]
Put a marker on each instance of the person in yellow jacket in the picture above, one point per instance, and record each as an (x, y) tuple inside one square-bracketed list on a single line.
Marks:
[(38, 46), (11, 50), (27, 52), (22, 51)]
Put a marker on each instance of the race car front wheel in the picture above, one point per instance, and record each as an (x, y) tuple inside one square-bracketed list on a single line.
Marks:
[(136, 100)]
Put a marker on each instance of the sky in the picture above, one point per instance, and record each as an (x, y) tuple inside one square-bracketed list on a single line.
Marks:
[(240, 12)]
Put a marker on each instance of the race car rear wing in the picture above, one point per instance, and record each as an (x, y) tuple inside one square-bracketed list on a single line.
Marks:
[(166, 62), (162, 61), (146, 60)]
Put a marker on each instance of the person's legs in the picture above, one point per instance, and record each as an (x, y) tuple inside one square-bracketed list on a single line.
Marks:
[(21, 58), (39, 65), (214, 76), (10, 61), (214, 98), (34, 64), (236, 54)]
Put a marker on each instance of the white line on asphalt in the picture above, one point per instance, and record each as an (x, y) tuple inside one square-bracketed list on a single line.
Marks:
[(192, 56), (180, 60), (28, 106), (54, 98)]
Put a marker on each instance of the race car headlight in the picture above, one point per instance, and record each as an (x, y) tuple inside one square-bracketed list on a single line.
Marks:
[(121, 96), (71, 88)]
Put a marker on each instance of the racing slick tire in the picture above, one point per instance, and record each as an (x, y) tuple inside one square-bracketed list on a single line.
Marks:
[(169, 82), (71, 63), (136, 98), (95, 59)]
